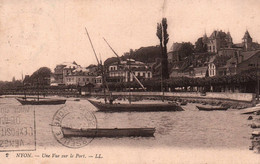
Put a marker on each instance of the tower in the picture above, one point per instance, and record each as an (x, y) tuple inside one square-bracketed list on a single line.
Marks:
[(247, 41), (205, 38), (229, 40)]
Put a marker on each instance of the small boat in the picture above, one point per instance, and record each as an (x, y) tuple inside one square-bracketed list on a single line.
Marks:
[(251, 110), (122, 132), (41, 101), (211, 108), (135, 107), (183, 103)]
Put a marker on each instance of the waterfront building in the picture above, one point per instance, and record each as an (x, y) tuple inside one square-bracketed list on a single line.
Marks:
[(80, 78), (73, 74), (120, 71), (98, 81), (61, 70)]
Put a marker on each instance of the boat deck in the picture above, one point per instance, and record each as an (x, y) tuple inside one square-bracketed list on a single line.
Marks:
[(132, 102)]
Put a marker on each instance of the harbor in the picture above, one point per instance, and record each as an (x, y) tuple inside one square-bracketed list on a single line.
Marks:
[(189, 129), (130, 82)]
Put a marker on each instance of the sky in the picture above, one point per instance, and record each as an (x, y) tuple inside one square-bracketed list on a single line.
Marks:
[(37, 33)]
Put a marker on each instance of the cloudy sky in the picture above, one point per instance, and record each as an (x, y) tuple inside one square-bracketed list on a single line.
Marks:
[(36, 33)]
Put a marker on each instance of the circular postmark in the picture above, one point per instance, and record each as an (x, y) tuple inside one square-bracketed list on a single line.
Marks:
[(70, 127)]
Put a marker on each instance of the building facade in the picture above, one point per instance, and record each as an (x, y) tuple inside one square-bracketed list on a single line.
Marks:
[(217, 41), (73, 74), (223, 57), (61, 70), (125, 71)]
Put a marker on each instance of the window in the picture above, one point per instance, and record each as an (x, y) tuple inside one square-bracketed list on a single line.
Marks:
[(149, 75)]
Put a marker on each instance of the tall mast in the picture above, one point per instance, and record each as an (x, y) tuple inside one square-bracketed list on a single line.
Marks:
[(129, 68), (129, 61), (38, 92), (102, 68), (92, 46), (111, 48), (23, 87)]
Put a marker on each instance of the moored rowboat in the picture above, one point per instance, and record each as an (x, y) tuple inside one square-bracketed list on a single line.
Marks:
[(122, 132), (41, 101), (204, 108)]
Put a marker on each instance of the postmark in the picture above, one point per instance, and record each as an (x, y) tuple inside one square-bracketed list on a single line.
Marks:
[(17, 128), (68, 120)]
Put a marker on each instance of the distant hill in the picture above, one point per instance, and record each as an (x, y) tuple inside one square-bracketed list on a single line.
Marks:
[(143, 54), (147, 54)]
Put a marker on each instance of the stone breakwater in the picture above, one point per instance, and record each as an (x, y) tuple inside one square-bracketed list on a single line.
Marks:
[(255, 138), (232, 100)]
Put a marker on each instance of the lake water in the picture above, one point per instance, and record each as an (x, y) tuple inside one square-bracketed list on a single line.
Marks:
[(186, 131)]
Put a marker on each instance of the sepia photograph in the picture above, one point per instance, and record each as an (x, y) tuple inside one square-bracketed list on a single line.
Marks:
[(130, 81)]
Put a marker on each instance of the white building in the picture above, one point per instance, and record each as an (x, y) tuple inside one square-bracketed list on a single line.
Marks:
[(73, 74), (80, 79), (120, 71)]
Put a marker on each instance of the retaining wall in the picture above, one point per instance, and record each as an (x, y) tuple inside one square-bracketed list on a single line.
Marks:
[(242, 97)]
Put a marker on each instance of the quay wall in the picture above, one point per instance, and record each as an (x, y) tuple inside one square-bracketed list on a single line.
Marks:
[(241, 97)]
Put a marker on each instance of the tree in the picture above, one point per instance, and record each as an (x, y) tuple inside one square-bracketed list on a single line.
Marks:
[(200, 46), (163, 36), (41, 76), (110, 61), (144, 54), (186, 50)]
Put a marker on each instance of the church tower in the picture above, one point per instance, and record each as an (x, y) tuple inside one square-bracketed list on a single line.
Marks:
[(229, 40), (247, 41)]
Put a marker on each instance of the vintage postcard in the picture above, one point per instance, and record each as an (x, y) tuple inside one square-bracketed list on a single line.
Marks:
[(129, 81)]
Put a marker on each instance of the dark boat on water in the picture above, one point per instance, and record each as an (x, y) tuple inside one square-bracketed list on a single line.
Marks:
[(41, 101), (122, 132), (135, 107), (204, 108)]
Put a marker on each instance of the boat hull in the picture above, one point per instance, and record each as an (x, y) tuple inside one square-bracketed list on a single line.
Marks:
[(41, 102), (211, 108), (110, 133), (135, 107)]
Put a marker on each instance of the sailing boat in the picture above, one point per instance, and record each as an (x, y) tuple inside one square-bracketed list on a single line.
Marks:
[(106, 132), (131, 106), (39, 101)]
